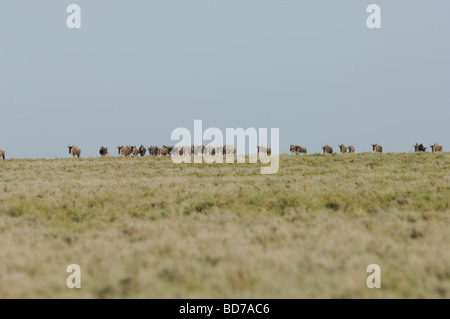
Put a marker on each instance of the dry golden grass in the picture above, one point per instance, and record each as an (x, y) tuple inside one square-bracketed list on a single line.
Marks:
[(148, 228)]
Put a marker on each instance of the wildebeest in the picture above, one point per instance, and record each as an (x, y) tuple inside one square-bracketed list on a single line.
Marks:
[(343, 148), (134, 150), (229, 150), (187, 150), (180, 150), (103, 151), (419, 148), (2, 153), (298, 149), (169, 150), (219, 150), (142, 150), (209, 150), (197, 150), (74, 151), (436, 147), (351, 149), (124, 150), (153, 150), (263, 149), (327, 149), (377, 148), (164, 151)]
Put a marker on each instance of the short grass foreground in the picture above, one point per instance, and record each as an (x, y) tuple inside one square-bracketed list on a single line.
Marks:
[(149, 228)]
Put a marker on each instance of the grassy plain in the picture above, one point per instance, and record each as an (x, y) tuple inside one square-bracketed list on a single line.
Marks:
[(148, 228)]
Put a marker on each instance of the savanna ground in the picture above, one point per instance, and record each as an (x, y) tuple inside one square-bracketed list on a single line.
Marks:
[(148, 228)]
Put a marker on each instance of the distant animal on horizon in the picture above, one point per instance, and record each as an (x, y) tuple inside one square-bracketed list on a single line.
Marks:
[(134, 151), (351, 149), (377, 148), (210, 150), (103, 151), (74, 151), (419, 148), (231, 150), (177, 150), (170, 149), (327, 149), (153, 150), (197, 150), (164, 151), (436, 147), (343, 148), (2, 153), (187, 150), (263, 149), (142, 150), (124, 150), (298, 149)]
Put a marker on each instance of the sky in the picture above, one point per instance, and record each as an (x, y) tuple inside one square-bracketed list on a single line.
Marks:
[(138, 69)]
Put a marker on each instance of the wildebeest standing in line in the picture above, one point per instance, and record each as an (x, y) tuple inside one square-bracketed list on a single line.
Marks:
[(169, 150), (197, 150), (298, 149), (419, 148), (436, 147), (164, 151), (187, 150), (74, 151), (351, 149), (219, 150), (343, 148), (2, 153), (229, 150), (124, 150), (177, 150), (327, 149), (142, 150), (263, 149), (209, 150), (153, 150), (377, 148), (103, 151), (134, 151)]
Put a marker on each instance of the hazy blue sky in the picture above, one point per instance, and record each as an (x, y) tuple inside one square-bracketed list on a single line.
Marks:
[(138, 69)]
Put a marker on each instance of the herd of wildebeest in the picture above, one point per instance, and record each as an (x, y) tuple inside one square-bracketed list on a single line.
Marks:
[(225, 150)]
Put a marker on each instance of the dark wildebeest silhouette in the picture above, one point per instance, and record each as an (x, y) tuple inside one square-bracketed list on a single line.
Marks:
[(142, 150), (419, 148), (103, 151)]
